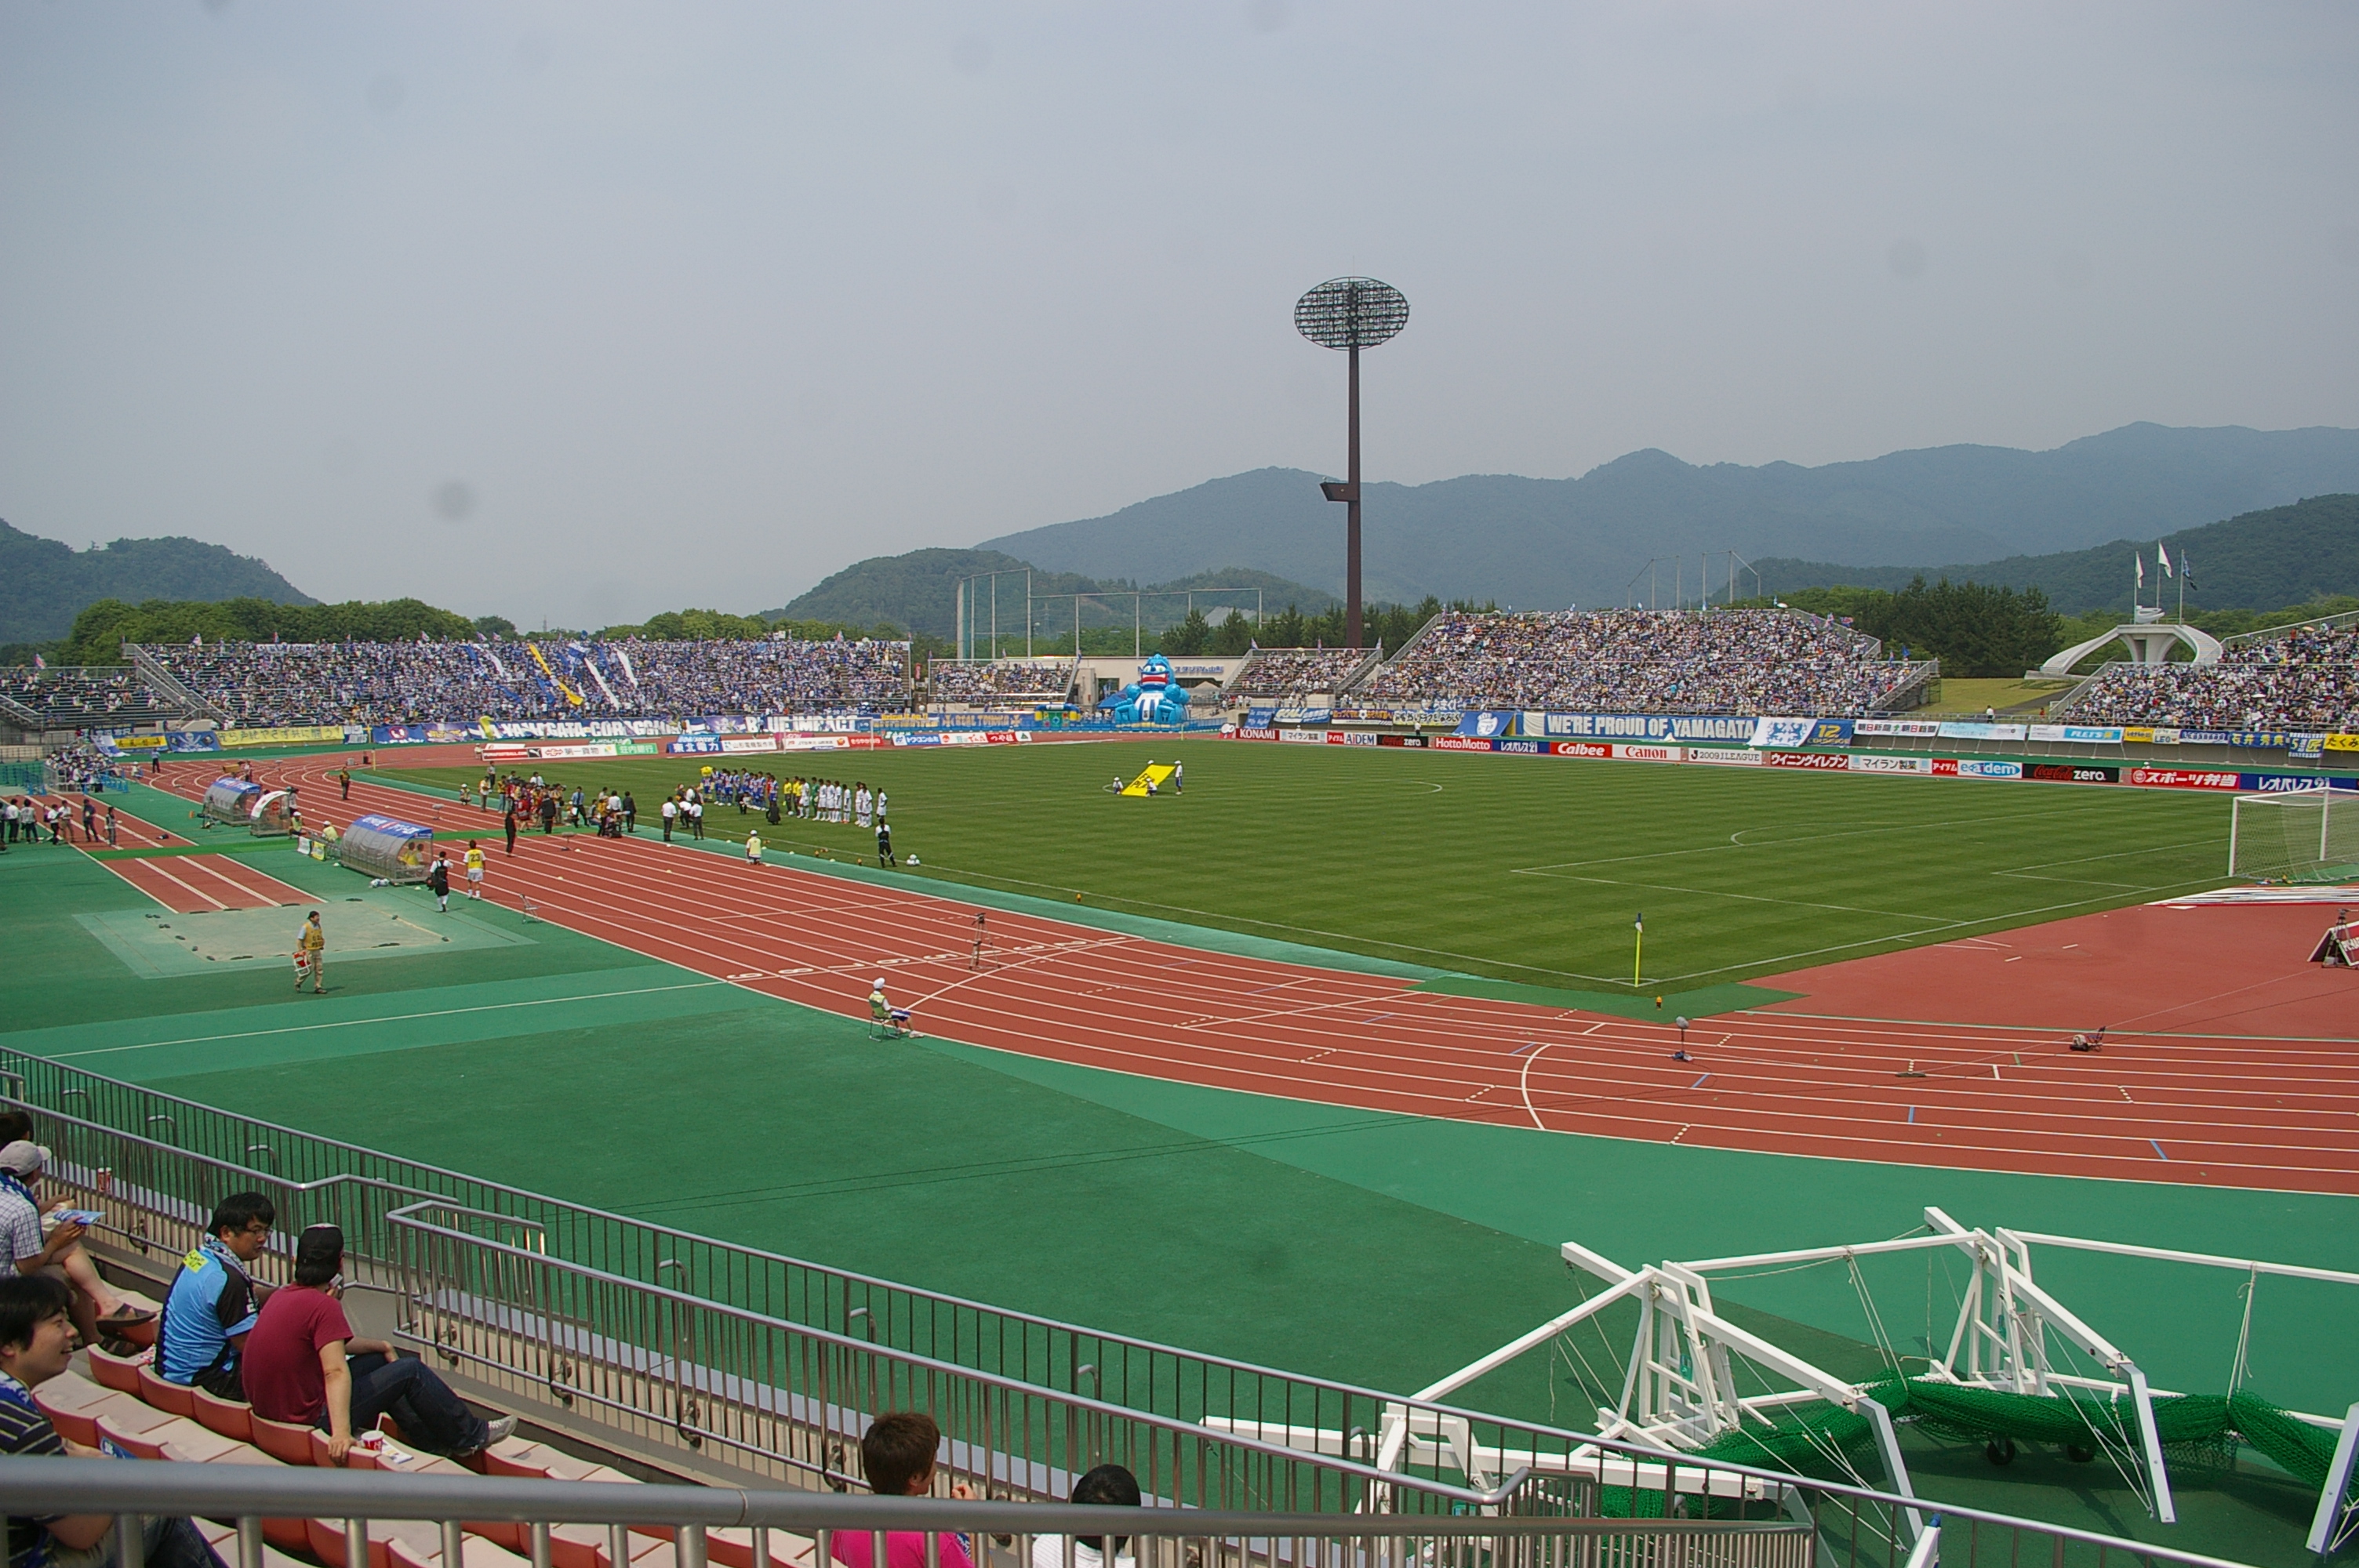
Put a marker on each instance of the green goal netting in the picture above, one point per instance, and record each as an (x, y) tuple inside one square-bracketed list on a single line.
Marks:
[(2301, 836)]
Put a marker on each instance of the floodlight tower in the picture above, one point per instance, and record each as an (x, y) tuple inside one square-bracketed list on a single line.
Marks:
[(1351, 314)]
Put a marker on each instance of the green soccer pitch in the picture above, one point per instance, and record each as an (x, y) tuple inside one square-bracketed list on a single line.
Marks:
[(1524, 869)]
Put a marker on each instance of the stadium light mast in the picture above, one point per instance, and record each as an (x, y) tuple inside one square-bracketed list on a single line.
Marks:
[(1351, 314)]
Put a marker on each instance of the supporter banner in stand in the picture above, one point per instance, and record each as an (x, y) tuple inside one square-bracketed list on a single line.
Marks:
[(443, 732), (1782, 732), (575, 729), (822, 723), (2203, 737), (1637, 726), (2339, 743), (2070, 772), (1486, 725), (2180, 778), (1261, 718), (194, 741), (1305, 715), (1960, 730), (1917, 729), (282, 735), (2079, 734), (142, 742), (1832, 732)]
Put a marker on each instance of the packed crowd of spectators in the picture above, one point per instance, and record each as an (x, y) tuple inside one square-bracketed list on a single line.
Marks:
[(1641, 661), (84, 698), (2306, 681), (1001, 680), (1290, 674), (408, 682)]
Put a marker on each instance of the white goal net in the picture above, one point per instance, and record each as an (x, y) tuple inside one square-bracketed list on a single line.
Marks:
[(2304, 836)]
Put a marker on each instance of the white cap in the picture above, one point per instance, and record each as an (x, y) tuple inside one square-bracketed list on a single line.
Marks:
[(880, 982)]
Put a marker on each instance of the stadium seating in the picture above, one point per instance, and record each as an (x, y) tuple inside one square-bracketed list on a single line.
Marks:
[(1290, 674), (124, 1403), (1000, 681), (85, 699), (2306, 680), (408, 682), (1642, 660)]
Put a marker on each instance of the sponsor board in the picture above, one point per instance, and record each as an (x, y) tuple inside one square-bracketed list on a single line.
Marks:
[(1400, 741), (1314, 737), (749, 743), (692, 746), (1351, 737), (1305, 715), (1962, 730), (2289, 784), (2260, 740), (1823, 761), (1527, 748), (2070, 772), (141, 742), (1256, 732), (574, 729), (1922, 729), (283, 735), (1457, 743), (1785, 734), (1890, 765), (1579, 749), (817, 742), (1725, 756), (1831, 732), (1640, 727), (1646, 753), (2079, 734), (2180, 778), (1985, 768), (1487, 724)]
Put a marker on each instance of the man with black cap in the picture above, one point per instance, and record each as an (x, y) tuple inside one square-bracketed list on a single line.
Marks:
[(304, 1364)]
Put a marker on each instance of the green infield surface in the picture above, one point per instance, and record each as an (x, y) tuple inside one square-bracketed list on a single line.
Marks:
[(1527, 869)]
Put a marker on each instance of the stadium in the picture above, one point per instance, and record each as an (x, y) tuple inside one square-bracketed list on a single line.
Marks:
[(1572, 1071)]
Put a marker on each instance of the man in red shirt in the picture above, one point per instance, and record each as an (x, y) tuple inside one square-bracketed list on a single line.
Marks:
[(303, 1364)]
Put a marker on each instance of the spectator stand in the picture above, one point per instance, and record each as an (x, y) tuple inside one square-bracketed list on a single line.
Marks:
[(1000, 683), (1296, 675), (2297, 679)]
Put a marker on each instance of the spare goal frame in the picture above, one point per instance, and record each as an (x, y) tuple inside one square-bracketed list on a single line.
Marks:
[(2263, 842)]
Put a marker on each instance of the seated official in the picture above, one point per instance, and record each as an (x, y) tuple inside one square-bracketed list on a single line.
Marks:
[(213, 1302)]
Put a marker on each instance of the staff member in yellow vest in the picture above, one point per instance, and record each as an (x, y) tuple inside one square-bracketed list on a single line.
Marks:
[(311, 953)]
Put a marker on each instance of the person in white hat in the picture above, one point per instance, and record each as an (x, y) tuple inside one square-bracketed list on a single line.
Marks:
[(97, 1310), (883, 1013)]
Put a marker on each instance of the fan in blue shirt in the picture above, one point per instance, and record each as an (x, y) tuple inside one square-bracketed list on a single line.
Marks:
[(213, 1300)]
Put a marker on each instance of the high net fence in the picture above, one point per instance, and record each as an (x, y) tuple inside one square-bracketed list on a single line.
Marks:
[(2299, 836)]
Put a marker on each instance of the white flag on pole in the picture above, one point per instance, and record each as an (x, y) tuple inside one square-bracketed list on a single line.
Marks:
[(2141, 570), (2163, 557)]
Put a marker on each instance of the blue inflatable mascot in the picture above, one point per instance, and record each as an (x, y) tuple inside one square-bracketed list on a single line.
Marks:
[(1153, 699)]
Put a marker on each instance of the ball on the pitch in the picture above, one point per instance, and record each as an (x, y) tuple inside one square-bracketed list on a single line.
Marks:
[(913, 860)]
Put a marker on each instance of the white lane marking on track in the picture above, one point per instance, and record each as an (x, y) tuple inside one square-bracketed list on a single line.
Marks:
[(1525, 1084)]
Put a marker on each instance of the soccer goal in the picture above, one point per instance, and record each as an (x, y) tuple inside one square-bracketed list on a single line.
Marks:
[(2302, 835)]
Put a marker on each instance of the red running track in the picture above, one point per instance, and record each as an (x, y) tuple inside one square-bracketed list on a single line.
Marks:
[(2213, 1107), (197, 884)]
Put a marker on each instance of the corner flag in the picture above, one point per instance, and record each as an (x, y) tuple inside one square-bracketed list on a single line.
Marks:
[(1639, 946)]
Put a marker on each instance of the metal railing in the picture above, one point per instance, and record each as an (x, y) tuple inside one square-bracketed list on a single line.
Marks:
[(998, 1535), (508, 1297)]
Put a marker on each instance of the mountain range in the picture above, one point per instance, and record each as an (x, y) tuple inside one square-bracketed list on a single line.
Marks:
[(45, 584), (1546, 544)]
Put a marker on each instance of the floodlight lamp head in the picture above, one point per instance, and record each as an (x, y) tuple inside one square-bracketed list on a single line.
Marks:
[(1351, 313)]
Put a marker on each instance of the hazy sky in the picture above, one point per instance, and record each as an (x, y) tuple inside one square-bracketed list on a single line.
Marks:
[(585, 311)]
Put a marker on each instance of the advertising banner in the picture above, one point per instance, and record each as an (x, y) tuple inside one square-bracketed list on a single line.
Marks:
[(2287, 784), (1580, 749), (1351, 737), (1784, 733), (1824, 760), (1962, 730), (2072, 773), (1315, 737), (1985, 768), (1305, 715), (692, 746), (814, 743), (1484, 725), (2339, 743), (1527, 748), (1646, 753), (1920, 729), (749, 743), (573, 729), (2085, 734), (1457, 743), (1257, 732), (2181, 778), (2260, 740), (1890, 765), (1400, 741), (1725, 756), (1637, 727), (1831, 732), (283, 735)]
